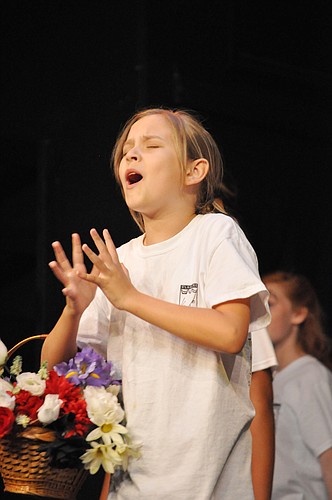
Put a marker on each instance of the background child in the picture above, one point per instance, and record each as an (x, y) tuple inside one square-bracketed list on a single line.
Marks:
[(172, 310), (302, 390)]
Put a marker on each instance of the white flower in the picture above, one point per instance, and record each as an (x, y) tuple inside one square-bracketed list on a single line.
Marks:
[(3, 355), (31, 382), (102, 405), (110, 432), (127, 450), (99, 455), (114, 389), (105, 411), (7, 401), (5, 386), (50, 409)]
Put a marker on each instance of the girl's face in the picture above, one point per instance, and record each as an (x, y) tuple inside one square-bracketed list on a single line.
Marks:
[(283, 317), (150, 171)]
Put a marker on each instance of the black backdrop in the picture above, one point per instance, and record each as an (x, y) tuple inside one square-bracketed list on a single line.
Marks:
[(258, 73)]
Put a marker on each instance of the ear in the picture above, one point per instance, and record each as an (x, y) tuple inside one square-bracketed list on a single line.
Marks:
[(196, 171), (300, 315)]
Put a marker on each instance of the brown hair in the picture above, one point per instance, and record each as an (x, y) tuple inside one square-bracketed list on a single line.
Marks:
[(311, 334), (191, 141)]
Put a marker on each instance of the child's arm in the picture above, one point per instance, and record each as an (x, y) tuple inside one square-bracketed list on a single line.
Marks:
[(325, 460), (223, 328), (60, 344), (262, 431)]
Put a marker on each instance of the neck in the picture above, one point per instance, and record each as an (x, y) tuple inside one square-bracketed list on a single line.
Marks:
[(287, 352), (158, 230)]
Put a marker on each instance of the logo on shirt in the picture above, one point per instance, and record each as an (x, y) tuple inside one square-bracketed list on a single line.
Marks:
[(188, 295)]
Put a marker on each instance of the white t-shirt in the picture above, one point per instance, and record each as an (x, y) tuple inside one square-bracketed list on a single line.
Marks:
[(263, 354), (188, 405), (303, 413)]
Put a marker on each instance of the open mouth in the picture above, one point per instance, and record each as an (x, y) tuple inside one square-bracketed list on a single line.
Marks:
[(133, 178)]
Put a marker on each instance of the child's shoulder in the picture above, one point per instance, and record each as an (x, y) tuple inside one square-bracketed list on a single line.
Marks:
[(220, 224), (304, 374), (129, 244), (217, 220)]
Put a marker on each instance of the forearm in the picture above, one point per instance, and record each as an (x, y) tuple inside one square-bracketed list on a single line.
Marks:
[(222, 329), (262, 457), (262, 430), (60, 344), (325, 460)]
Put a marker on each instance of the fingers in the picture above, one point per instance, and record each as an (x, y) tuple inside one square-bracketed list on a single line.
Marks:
[(99, 244), (92, 278), (107, 257), (95, 259), (106, 249), (98, 267), (103, 262), (94, 271), (77, 254), (61, 257), (57, 271), (110, 246)]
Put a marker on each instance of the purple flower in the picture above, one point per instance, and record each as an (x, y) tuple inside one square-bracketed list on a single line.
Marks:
[(87, 368)]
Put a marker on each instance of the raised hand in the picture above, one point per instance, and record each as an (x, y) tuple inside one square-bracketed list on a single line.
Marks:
[(112, 276), (78, 292)]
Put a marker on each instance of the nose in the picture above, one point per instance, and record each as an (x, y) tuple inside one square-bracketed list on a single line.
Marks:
[(133, 154)]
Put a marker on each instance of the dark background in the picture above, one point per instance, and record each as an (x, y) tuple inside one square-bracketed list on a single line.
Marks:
[(258, 73)]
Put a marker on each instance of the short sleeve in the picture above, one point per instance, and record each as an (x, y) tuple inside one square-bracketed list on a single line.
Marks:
[(263, 354), (233, 274)]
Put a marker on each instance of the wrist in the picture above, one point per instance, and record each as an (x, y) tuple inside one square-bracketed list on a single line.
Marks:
[(131, 301), (71, 313)]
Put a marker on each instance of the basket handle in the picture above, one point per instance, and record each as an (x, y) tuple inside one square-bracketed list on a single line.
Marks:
[(24, 341)]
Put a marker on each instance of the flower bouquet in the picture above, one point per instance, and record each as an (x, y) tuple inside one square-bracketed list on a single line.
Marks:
[(55, 425)]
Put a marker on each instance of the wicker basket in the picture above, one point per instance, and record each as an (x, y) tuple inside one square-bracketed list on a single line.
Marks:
[(26, 470)]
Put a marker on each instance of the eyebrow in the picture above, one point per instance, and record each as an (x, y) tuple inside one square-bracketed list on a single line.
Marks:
[(145, 138)]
